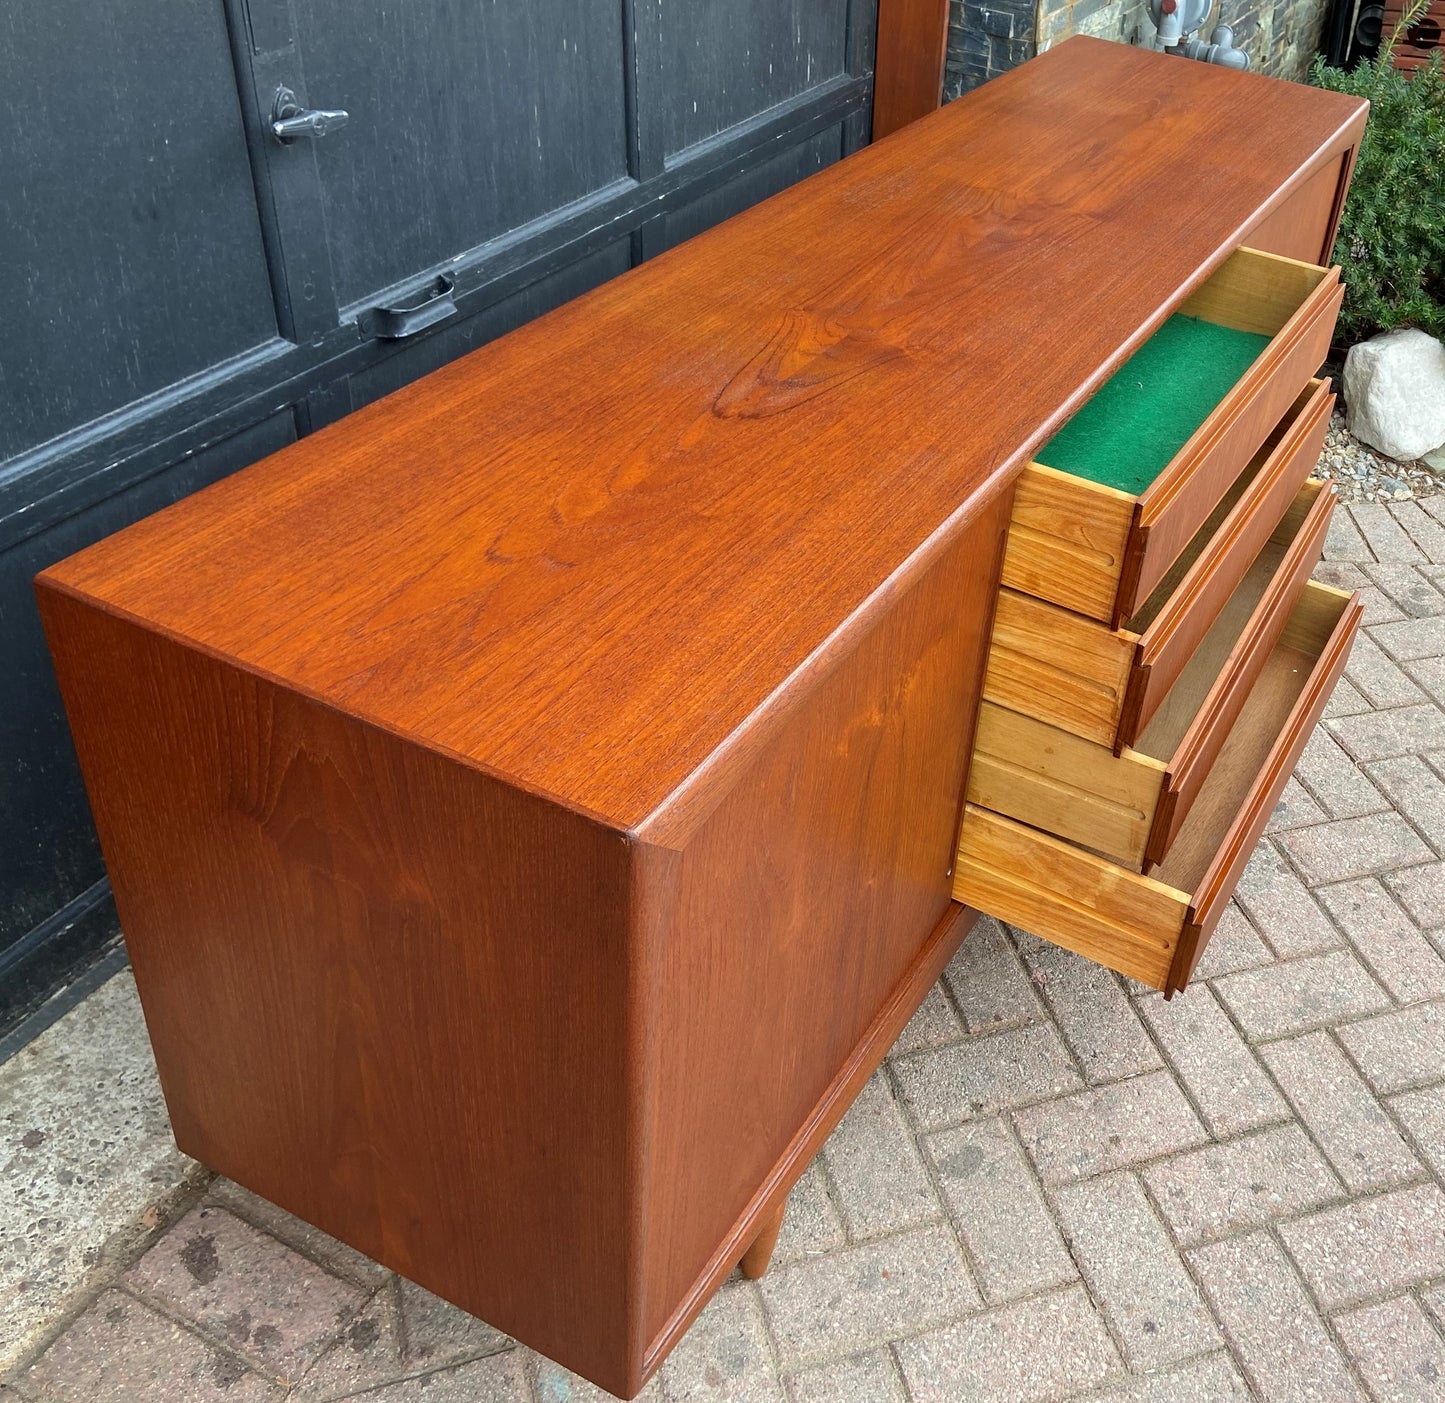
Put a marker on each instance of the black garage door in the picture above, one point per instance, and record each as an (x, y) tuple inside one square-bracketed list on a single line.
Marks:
[(183, 292)]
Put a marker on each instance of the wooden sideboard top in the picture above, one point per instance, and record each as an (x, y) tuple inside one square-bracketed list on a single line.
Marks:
[(586, 556)]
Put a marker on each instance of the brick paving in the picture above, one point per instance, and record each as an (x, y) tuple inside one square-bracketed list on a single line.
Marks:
[(1058, 1187)]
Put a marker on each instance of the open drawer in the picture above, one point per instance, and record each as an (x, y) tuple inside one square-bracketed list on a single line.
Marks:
[(1153, 928), (1106, 684), (1100, 546), (1131, 806)]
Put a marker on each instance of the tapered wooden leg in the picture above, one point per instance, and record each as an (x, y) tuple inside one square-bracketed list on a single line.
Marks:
[(756, 1258)]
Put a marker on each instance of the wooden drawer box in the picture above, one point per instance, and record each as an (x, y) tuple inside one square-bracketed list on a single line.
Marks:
[(1100, 551), (1131, 806), (1153, 928), (1106, 684)]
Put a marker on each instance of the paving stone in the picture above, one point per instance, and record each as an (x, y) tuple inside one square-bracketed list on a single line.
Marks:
[(1377, 607), (1354, 847), (1333, 777), (85, 1153), (1343, 541), (1296, 808), (1282, 1344), (868, 1378), (1370, 1247), (1416, 791), (1213, 1379), (1341, 1112), (1093, 1012), (1299, 994), (1422, 1113), (1134, 1272), (1401, 1049), (875, 1166), (1415, 596), (983, 1075), (1421, 891), (1398, 955), (551, 1383), (1377, 677), (1240, 1184), (1343, 574), (1385, 537), (988, 983), (861, 1296), (1402, 730), (1397, 1350), (1345, 700), (367, 1353), (1231, 1089), (1234, 945), (934, 1024), (496, 1379), (120, 1351), (437, 1332), (1434, 1302), (1031, 1350), (1110, 1127), (1423, 529), (310, 1242), (1411, 638), (247, 1288), (999, 1211), (1281, 908), (1429, 674), (724, 1357), (810, 1222)]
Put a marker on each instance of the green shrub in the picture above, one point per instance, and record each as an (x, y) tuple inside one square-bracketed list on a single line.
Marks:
[(1391, 244)]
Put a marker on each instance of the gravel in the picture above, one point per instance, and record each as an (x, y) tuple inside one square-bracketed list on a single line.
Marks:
[(1362, 475)]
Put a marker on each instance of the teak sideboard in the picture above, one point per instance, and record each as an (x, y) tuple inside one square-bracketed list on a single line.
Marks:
[(536, 802)]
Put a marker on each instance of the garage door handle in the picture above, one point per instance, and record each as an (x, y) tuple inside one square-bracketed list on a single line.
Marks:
[(426, 307), (290, 120)]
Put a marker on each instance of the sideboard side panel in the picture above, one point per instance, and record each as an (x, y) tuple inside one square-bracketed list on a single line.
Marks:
[(805, 899), (385, 991)]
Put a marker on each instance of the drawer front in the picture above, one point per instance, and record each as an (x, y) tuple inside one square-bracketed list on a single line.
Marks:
[(1067, 540), (1173, 634), (1191, 763), (1100, 551), (1058, 666), (1153, 928), (1181, 498), (1034, 772)]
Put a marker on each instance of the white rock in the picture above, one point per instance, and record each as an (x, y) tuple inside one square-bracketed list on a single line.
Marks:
[(1395, 391)]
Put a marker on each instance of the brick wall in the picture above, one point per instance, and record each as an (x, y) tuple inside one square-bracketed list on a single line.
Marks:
[(986, 37)]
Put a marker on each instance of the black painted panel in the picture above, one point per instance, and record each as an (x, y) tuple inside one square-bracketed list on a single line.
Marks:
[(49, 854), (410, 362), (467, 120), (767, 178), (130, 246), (723, 63), (131, 256)]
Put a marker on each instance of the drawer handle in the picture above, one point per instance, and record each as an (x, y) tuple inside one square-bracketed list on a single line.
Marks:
[(429, 305)]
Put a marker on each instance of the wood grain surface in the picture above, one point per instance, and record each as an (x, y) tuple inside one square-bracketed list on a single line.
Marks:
[(1321, 631), (1299, 540), (1270, 484), (531, 801), (908, 67), (717, 458)]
